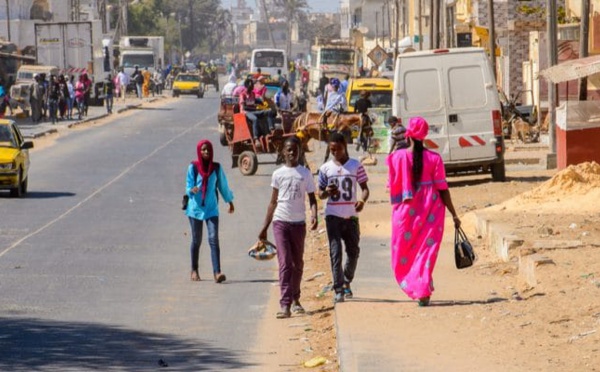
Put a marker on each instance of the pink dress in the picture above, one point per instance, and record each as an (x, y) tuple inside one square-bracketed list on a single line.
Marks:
[(417, 220)]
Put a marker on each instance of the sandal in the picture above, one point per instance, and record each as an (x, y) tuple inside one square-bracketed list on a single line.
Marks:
[(284, 313), (424, 301), (195, 277), (297, 308), (220, 278)]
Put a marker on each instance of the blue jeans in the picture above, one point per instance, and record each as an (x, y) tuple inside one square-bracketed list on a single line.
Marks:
[(212, 225), (254, 116), (109, 103)]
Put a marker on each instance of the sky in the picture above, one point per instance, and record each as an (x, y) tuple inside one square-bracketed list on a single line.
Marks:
[(316, 6)]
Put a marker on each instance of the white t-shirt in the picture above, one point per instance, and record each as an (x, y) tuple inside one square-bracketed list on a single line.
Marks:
[(347, 177), (293, 185)]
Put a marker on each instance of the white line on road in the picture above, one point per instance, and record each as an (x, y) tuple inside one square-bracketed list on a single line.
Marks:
[(124, 172)]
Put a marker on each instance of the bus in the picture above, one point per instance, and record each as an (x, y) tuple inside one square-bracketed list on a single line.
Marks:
[(331, 61), (269, 61)]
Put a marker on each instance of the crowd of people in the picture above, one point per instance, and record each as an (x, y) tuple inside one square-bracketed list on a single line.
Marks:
[(419, 197)]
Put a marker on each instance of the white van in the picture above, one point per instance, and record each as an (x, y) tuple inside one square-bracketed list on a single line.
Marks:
[(455, 91)]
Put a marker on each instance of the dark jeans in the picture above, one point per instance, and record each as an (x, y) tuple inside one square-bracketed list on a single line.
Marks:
[(289, 238), (348, 231), (109, 102), (254, 116), (53, 109), (212, 225)]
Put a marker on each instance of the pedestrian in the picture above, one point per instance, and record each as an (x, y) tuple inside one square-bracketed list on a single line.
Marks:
[(339, 180), (206, 178), (362, 106), (284, 97), (147, 76), (63, 96), (53, 98), (80, 97), (87, 83), (138, 78), (397, 140), (36, 98), (71, 98), (109, 91), (123, 83), (419, 196), (287, 211)]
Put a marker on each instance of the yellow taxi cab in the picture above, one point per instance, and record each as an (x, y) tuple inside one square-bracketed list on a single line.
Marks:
[(14, 159), (381, 91), (187, 83)]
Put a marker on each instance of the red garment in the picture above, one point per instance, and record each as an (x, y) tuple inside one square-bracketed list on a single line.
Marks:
[(204, 168)]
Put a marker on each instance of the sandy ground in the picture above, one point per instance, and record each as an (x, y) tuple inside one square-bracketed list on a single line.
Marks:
[(497, 322)]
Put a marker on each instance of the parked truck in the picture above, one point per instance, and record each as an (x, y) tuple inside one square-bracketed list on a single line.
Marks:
[(141, 51), (75, 48)]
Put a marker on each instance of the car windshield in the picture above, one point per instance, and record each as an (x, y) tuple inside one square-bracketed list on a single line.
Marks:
[(192, 78), (6, 137), (379, 98)]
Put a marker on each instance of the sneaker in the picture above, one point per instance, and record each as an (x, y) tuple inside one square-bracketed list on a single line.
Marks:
[(339, 297), (297, 308), (348, 291)]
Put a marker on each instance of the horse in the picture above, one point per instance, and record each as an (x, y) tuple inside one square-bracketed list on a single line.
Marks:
[(310, 125)]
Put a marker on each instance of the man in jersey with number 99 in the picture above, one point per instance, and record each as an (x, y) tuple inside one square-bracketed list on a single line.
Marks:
[(339, 182)]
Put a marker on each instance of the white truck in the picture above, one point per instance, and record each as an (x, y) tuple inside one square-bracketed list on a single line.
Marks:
[(141, 51), (75, 48)]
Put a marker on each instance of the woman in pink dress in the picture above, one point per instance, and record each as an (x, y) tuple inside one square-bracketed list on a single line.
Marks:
[(419, 196)]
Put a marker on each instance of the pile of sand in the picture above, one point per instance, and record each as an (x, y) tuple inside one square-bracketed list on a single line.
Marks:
[(575, 188)]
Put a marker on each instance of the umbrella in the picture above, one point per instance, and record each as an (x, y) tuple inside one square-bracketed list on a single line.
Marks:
[(572, 69)]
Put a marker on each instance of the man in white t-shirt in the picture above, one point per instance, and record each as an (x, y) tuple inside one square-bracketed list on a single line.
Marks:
[(123, 78), (339, 182), (287, 209)]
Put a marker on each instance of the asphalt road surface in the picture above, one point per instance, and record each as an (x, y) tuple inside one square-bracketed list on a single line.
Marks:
[(94, 262)]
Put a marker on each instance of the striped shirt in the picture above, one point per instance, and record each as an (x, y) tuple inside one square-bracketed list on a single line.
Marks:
[(347, 177)]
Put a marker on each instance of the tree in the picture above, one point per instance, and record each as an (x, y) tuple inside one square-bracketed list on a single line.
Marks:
[(293, 11)]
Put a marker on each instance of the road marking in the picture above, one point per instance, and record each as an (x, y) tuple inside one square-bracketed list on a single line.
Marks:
[(124, 172)]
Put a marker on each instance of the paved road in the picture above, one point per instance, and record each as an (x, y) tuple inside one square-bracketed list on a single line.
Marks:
[(94, 266)]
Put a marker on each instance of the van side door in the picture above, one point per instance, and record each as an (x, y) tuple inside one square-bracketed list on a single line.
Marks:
[(419, 91), (471, 97)]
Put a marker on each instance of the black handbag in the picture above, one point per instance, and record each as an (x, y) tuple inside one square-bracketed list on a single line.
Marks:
[(464, 256)]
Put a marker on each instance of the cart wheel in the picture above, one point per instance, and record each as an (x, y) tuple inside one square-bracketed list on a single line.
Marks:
[(223, 138), (248, 163)]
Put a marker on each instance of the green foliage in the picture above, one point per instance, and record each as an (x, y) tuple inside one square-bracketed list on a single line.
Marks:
[(540, 13)]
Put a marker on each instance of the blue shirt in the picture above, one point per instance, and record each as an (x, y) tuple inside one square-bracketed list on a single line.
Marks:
[(211, 203)]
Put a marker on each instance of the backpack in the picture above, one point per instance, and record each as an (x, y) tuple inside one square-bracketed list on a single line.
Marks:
[(186, 198)]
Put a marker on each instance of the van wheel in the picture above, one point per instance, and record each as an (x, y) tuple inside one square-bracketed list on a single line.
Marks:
[(498, 172)]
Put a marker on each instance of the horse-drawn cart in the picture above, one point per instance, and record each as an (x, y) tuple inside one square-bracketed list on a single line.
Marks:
[(244, 151)]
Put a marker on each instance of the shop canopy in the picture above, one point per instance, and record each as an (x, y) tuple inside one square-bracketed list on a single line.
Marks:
[(572, 69)]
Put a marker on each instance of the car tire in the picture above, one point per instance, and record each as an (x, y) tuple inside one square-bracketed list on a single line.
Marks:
[(17, 192), (498, 172), (248, 163)]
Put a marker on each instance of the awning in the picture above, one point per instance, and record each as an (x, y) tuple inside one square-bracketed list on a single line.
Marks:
[(572, 69)]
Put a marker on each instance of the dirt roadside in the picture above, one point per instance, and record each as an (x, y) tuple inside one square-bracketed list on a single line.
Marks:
[(488, 311)]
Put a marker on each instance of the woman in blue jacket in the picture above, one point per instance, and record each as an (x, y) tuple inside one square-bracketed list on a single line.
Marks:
[(204, 179)]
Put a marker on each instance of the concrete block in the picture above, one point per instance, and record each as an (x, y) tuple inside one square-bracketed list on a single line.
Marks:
[(528, 265)]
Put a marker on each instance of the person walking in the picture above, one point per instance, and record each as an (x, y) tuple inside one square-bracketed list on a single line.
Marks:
[(419, 196), (204, 179), (109, 91), (284, 97), (123, 83), (53, 99), (287, 211), (36, 96), (339, 180), (147, 75), (138, 78)]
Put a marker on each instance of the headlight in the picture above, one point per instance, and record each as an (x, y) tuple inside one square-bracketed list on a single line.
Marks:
[(7, 166)]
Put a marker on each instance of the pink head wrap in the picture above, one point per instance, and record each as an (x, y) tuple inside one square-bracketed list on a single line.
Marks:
[(417, 128)]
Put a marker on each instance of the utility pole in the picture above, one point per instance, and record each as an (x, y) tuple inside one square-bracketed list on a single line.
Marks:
[(492, 36), (552, 61), (584, 30), (8, 19), (266, 13), (387, 2), (420, 21), (397, 30)]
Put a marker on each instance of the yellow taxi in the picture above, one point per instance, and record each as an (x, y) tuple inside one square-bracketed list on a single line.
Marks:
[(14, 159), (187, 83), (381, 91)]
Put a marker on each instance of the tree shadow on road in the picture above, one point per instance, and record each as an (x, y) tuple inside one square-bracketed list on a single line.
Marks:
[(32, 344)]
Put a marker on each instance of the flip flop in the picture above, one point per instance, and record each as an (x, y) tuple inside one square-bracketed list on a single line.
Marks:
[(298, 309)]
